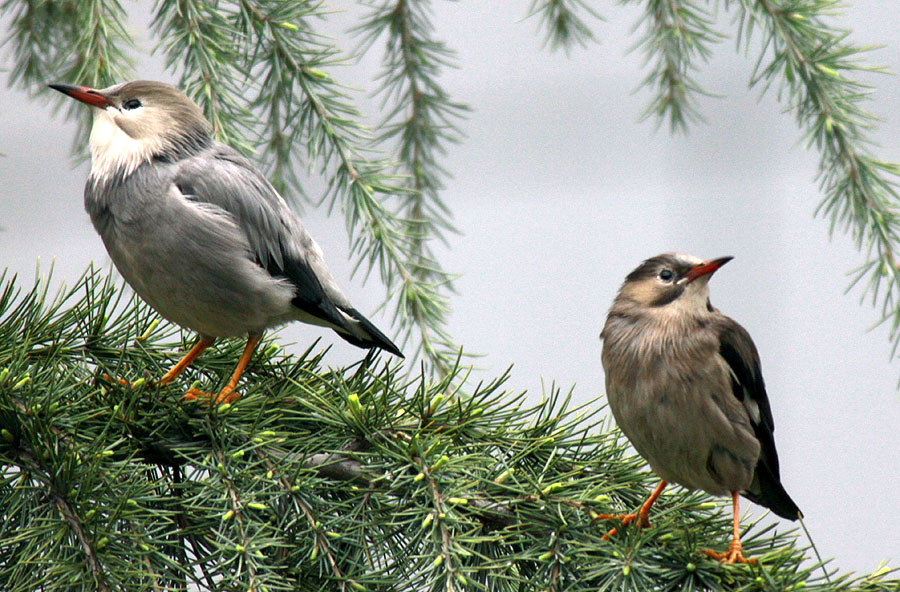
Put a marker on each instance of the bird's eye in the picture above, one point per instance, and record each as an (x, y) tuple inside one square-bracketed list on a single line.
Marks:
[(666, 275), (131, 104)]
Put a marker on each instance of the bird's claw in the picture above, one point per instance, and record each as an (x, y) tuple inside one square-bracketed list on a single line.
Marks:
[(734, 554), (626, 519), (226, 396), (126, 383)]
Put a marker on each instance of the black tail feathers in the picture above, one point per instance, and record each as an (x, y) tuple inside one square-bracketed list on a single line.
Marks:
[(768, 492)]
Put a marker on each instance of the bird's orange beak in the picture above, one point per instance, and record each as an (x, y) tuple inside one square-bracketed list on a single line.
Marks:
[(85, 94), (706, 268)]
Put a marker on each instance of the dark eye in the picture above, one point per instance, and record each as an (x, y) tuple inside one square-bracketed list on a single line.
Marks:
[(666, 275), (131, 104)]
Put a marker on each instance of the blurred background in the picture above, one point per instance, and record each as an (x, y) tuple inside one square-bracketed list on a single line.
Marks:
[(559, 192)]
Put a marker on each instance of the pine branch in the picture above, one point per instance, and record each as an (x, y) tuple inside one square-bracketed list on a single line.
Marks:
[(40, 475), (677, 35), (813, 64), (69, 41), (321, 479), (565, 22), (292, 59), (303, 106), (199, 40), (258, 68), (421, 120)]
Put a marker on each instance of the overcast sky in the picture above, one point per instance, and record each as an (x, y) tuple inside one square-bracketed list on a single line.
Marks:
[(559, 192)]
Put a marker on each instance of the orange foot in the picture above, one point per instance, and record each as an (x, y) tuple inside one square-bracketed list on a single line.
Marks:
[(121, 381), (642, 515), (227, 395), (733, 555), (642, 520)]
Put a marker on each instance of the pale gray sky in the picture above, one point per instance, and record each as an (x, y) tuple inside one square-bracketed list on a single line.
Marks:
[(559, 193)]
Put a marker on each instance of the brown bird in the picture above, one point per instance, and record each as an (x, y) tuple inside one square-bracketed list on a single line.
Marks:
[(685, 386)]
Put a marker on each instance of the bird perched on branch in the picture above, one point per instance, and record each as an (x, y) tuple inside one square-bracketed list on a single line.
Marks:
[(198, 232), (685, 386)]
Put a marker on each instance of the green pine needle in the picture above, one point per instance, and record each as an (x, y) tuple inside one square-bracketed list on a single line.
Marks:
[(338, 479)]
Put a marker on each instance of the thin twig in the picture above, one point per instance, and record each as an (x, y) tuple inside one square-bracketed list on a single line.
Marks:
[(62, 504)]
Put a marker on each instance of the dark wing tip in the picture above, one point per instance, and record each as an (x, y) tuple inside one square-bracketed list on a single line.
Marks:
[(375, 338), (738, 351), (770, 493)]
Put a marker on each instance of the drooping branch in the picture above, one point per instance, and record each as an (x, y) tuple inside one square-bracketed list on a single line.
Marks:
[(422, 120), (815, 64), (565, 22), (677, 34)]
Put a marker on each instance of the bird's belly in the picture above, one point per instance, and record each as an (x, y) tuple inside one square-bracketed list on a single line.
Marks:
[(685, 438), (198, 279)]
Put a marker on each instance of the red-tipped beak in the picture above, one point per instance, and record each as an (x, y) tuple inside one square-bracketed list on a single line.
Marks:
[(85, 94), (706, 268)]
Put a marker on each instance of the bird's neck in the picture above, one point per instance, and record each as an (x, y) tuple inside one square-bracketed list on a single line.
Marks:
[(113, 152), (655, 327)]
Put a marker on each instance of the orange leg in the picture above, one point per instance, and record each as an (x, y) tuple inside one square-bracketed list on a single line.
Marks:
[(180, 367), (227, 394), (117, 380), (186, 361), (642, 516), (735, 549)]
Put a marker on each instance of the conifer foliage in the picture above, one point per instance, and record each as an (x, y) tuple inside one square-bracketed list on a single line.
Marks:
[(364, 478), (321, 479)]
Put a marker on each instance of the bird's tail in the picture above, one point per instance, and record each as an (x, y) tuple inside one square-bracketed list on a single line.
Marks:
[(768, 491), (366, 334)]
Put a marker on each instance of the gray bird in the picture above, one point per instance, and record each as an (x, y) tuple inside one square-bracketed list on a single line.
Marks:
[(198, 232), (684, 384)]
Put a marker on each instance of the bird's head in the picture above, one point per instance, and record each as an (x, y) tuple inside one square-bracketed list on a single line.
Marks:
[(671, 281), (138, 121)]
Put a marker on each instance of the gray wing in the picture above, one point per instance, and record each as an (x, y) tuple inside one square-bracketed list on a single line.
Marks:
[(223, 178), (738, 350)]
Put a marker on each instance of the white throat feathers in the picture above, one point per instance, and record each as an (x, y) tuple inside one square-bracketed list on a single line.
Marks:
[(114, 152), (142, 121)]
